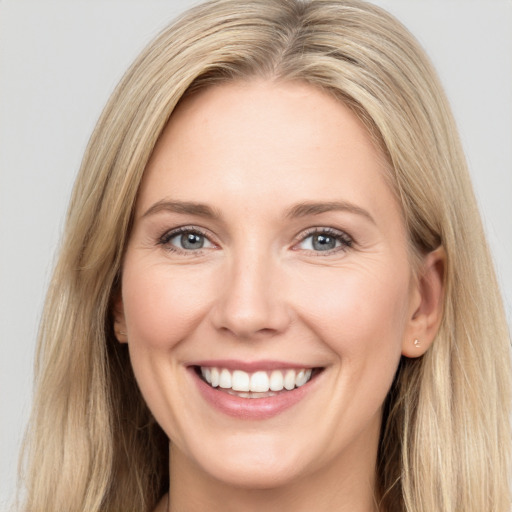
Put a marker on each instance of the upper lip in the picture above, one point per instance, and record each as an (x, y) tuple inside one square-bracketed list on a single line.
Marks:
[(251, 366)]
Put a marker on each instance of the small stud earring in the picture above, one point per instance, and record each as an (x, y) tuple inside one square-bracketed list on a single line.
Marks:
[(122, 333), (417, 343)]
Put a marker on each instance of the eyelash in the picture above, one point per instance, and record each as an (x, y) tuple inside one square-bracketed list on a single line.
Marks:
[(346, 242), (165, 239)]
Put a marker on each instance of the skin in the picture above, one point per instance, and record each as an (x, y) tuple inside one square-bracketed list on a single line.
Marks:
[(258, 289)]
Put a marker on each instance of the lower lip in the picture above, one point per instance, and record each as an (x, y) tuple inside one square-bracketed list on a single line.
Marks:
[(251, 408)]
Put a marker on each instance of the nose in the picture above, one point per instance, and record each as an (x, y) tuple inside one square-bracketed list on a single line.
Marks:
[(251, 301)]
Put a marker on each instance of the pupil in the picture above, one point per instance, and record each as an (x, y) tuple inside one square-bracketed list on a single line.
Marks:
[(191, 241), (324, 242)]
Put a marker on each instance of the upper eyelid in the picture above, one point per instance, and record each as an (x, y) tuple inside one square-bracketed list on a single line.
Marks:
[(347, 241), (167, 236), (186, 229), (323, 229), (301, 236)]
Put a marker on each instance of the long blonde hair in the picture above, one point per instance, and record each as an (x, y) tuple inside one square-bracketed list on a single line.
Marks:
[(92, 443)]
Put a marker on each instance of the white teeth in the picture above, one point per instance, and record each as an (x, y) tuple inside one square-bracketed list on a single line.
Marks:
[(225, 379), (240, 381), (276, 380), (215, 377), (207, 374), (289, 380), (258, 382), (302, 377)]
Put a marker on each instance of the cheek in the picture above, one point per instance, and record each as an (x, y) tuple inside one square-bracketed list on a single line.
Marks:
[(358, 310), (162, 305)]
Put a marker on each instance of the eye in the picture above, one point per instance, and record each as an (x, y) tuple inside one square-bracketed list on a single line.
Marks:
[(325, 240), (186, 240)]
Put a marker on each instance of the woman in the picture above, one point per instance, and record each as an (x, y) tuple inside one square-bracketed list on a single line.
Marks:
[(266, 262)]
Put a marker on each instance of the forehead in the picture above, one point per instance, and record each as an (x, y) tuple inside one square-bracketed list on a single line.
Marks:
[(281, 141)]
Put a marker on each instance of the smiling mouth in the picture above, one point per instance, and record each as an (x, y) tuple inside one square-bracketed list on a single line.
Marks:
[(259, 384)]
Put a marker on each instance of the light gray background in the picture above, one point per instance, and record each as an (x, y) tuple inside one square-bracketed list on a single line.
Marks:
[(59, 61)]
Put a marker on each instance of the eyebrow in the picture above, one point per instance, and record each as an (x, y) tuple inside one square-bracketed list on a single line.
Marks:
[(185, 207), (303, 209), (313, 208)]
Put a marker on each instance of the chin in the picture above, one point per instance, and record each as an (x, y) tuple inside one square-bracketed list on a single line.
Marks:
[(252, 464), (261, 475)]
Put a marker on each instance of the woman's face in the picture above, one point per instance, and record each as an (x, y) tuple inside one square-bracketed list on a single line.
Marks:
[(267, 253)]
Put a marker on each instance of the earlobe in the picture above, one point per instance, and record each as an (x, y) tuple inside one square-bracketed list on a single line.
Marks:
[(120, 330), (427, 313)]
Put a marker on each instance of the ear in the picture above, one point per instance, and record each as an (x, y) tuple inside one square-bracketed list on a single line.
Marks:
[(426, 305), (119, 320)]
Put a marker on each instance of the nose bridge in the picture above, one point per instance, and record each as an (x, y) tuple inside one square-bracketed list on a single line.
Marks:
[(250, 303)]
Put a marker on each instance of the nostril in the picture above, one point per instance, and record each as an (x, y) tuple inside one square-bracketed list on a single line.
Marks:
[(250, 303)]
